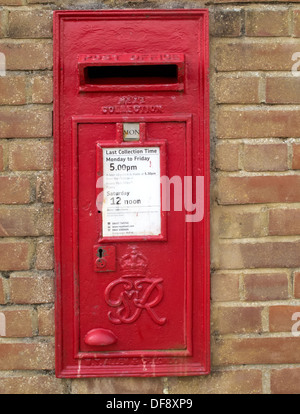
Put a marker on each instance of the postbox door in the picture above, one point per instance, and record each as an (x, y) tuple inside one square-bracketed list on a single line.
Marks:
[(133, 286)]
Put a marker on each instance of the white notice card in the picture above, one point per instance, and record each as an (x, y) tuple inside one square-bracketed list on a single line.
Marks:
[(131, 190)]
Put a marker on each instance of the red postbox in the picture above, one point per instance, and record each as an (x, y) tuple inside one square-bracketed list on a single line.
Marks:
[(131, 193)]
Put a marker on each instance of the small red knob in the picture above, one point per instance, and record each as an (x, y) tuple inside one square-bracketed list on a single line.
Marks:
[(100, 337), (101, 263)]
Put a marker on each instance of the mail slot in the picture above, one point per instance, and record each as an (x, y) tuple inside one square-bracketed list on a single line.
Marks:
[(131, 193), (131, 71)]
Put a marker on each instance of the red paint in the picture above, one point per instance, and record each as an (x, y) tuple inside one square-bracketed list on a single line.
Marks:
[(140, 306), (104, 258), (118, 143), (100, 337)]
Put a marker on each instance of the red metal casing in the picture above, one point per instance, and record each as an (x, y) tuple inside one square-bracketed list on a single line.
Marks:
[(132, 285)]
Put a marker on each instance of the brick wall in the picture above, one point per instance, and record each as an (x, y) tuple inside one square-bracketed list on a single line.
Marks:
[(255, 196), (255, 136)]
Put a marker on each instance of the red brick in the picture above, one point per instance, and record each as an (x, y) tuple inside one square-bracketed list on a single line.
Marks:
[(282, 90), (2, 26), (44, 255), (284, 222), (265, 157), (227, 157), (40, 1), (236, 223), (42, 89), (44, 189), (239, 89), (46, 321), (259, 189), (26, 356), (240, 351), (225, 287), (23, 55), (118, 386), (18, 323), (13, 90), (15, 255), (31, 289), (2, 293), (15, 190), (30, 156), (280, 318), (12, 2), (25, 221), (23, 123), (285, 381), (255, 55), (296, 157), (31, 384), (266, 286), (226, 23), (258, 123), (236, 319), (267, 22), (242, 255), (296, 22), (247, 381), (1, 158), (297, 285), (20, 24)]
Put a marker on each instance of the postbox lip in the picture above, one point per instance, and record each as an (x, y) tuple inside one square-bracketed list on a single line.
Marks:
[(128, 12), (117, 61)]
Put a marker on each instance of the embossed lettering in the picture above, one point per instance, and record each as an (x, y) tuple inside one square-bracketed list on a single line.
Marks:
[(134, 292), (130, 109), (132, 297)]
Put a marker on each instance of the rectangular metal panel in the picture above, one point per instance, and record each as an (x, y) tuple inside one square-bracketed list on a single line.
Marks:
[(132, 299)]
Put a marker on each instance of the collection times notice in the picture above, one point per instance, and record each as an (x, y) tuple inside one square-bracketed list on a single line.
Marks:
[(131, 192)]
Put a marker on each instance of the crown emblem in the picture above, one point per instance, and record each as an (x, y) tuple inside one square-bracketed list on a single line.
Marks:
[(134, 263)]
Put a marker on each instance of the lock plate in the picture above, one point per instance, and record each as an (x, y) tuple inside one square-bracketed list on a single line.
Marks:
[(104, 258)]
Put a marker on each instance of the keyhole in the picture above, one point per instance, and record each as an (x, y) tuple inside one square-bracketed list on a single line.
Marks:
[(100, 253)]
